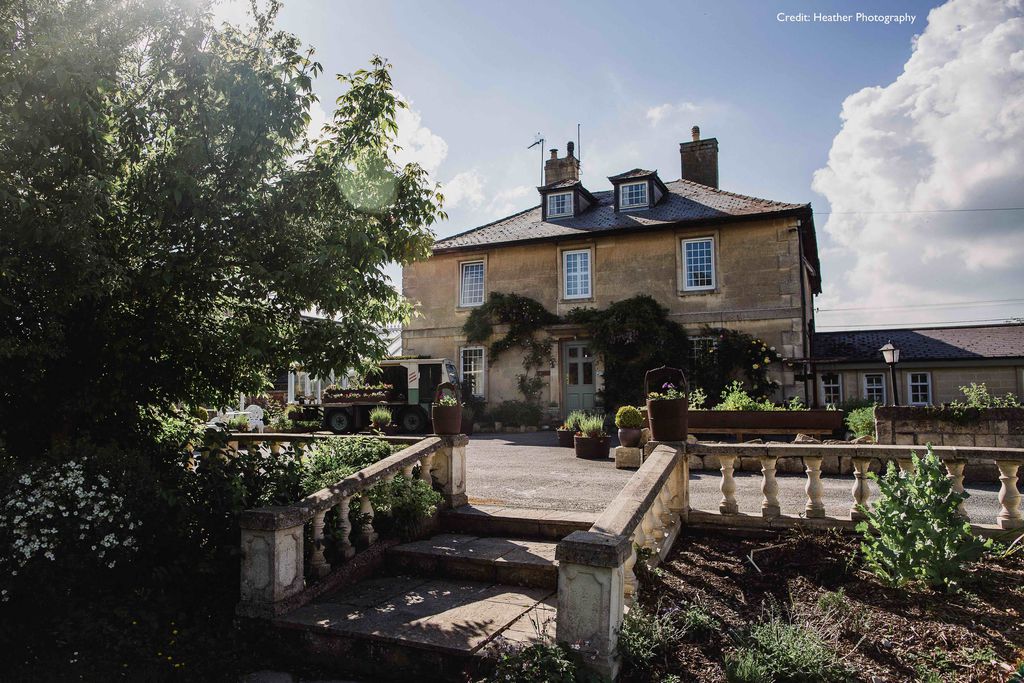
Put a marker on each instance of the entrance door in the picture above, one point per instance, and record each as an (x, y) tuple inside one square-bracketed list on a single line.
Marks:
[(579, 386)]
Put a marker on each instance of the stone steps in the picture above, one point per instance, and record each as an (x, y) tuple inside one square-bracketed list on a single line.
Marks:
[(508, 561), (496, 520)]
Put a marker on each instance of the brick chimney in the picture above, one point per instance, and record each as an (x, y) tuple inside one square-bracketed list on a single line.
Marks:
[(566, 168), (700, 159)]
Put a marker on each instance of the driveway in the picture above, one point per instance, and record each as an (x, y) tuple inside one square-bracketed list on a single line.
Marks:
[(530, 471)]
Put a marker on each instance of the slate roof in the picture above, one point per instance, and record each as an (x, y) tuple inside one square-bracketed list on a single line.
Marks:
[(925, 344), (635, 173)]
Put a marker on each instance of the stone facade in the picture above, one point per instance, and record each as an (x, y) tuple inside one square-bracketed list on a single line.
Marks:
[(758, 291), (996, 427)]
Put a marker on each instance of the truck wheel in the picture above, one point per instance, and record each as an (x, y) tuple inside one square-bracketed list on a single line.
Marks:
[(339, 422), (413, 420)]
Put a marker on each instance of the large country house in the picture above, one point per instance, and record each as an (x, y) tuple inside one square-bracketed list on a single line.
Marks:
[(712, 257)]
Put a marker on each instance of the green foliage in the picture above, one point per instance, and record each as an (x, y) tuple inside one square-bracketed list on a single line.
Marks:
[(698, 622), (861, 421), (402, 505), (697, 398), (629, 417), (734, 355), (538, 663), (977, 398), (646, 636), (777, 651), (516, 414), (668, 391), (238, 423), (167, 220), (592, 426), (914, 532), (735, 397), (305, 426), (447, 400), (380, 416), (573, 419)]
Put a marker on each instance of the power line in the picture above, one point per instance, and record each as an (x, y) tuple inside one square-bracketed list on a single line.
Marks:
[(952, 304), (1005, 208), (887, 326)]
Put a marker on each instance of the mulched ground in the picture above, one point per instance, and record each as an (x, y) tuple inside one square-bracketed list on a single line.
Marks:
[(884, 634)]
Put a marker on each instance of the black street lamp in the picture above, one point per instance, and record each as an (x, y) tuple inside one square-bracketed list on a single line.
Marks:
[(891, 355)]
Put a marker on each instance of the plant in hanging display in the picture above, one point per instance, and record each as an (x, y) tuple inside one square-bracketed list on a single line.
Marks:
[(380, 417), (668, 392), (446, 411), (591, 442)]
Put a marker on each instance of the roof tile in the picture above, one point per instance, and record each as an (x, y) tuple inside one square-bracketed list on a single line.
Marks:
[(934, 343)]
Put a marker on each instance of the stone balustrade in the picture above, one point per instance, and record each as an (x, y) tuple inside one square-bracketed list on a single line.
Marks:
[(865, 458), (273, 572), (596, 581), (277, 442)]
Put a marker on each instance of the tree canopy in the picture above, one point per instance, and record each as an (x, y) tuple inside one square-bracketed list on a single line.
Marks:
[(167, 218)]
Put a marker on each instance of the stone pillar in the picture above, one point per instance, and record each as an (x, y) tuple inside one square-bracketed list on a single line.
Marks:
[(1009, 497), (815, 507), (449, 469), (591, 584), (272, 559)]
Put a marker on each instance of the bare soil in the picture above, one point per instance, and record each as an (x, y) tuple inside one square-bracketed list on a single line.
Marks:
[(882, 633)]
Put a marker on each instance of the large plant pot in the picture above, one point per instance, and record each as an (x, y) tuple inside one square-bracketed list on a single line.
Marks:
[(467, 422), (629, 437), (565, 437), (668, 419), (781, 421), (592, 447), (447, 419)]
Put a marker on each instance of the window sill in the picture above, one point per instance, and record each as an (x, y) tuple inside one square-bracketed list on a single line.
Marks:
[(467, 307), (697, 292)]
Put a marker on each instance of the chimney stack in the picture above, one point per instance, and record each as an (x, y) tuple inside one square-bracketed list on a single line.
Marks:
[(566, 168), (699, 159)]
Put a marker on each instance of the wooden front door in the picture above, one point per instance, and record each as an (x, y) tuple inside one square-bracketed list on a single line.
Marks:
[(578, 382)]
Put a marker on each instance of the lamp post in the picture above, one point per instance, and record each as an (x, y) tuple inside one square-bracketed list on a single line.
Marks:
[(891, 355)]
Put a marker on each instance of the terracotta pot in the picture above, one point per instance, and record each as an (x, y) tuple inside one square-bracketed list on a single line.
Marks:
[(668, 419), (467, 422), (446, 419), (592, 447), (629, 437), (565, 437)]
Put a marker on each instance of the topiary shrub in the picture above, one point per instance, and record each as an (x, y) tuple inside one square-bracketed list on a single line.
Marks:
[(629, 417), (861, 421), (914, 532)]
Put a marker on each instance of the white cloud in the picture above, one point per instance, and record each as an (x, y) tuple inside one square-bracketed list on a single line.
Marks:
[(466, 188), (667, 111), (948, 133), (418, 143), (511, 200)]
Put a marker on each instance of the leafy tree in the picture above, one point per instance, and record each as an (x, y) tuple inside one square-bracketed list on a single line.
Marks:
[(167, 219)]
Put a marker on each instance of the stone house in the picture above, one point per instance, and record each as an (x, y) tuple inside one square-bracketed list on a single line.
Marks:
[(710, 256), (934, 363)]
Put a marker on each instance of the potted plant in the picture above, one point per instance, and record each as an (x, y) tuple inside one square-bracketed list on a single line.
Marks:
[(446, 412), (569, 428), (629, 421), (666, 408), (380, 419), (591, 442)]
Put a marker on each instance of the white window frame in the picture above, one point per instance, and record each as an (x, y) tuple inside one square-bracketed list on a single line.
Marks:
[(864, 386), (640, 205), (462, 283), (910, 388), (839, 386), (481, 386), (565, 274), (568, 204), (707, 344), (714, 264)]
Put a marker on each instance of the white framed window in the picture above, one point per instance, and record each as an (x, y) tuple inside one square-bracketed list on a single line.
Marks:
[(471, 360), (874, 388), (919, 388), (632, 195), (559, 204), (471, 283), (701, 350), (699, 264), (832, 388), (576, 274)]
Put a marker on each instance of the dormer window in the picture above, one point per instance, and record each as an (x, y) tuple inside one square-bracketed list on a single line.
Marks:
[(559, 204), (634, 195)]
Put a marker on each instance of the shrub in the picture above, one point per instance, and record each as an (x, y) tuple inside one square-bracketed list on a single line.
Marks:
[(516, 413), (592, 426), (401, 506), (861, 421), (238, 423), (697, 398), (331, 460), (735, 397), (698, 622), (646, 635), (629, 417), (573, 419), (538, 663), (380, 416), (304, 426), (775, 650), (977, 396), (914, 532)]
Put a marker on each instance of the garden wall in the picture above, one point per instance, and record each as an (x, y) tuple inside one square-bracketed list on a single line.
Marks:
[(991, 427)]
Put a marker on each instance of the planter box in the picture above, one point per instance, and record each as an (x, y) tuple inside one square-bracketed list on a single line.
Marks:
[(766, 421)]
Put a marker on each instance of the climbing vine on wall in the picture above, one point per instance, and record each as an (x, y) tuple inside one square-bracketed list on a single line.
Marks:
[(734, 355)]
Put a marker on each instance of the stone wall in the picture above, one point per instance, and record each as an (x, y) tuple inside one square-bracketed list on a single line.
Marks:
[(998, 427)]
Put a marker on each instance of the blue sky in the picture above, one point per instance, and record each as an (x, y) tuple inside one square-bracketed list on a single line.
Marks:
[(484, 77)]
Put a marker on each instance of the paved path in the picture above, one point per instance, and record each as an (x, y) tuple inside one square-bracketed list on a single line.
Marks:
[(528, 470)]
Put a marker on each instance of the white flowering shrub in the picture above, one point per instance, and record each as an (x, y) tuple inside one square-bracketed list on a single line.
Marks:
[(59, 513)]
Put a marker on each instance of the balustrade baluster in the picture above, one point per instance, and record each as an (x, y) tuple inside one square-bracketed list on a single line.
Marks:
[(860, 491), (668, 519), (906, 465), (1009, 497), (647, 532), (425, 464), (955, 470), (728, 505), (317, 561), (770, 507), (366, 510), (276, 447), (677, 487), (815, 506), (407, 470), (628, 577), (345, 527), (657, 525)]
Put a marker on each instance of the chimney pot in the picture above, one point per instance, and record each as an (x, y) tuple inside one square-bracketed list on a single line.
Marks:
[(554, 153), (570, 148), (695, 132)]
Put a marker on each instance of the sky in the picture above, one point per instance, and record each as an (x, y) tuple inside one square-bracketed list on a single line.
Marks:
[(896, 133)]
